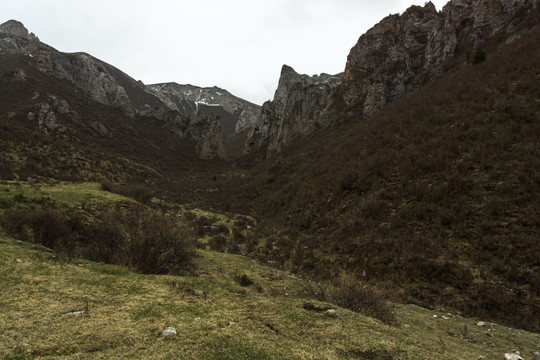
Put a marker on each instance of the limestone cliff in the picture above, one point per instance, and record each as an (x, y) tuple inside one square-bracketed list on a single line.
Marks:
[(404, 52), (399, 54), (295, 110)]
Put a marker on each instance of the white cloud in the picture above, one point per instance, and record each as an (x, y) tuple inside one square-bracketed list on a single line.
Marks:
[(239, 45)]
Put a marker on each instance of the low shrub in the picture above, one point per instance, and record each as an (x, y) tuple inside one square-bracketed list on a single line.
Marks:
[(149, 242), (217, 243), (354, 294), (242, 279), (46, 227), (138, 192)]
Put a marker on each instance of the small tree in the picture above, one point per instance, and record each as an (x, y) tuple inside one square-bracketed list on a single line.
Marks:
[(479, 56)]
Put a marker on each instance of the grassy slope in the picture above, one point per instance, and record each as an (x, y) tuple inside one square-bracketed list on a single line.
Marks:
[(215, 317)]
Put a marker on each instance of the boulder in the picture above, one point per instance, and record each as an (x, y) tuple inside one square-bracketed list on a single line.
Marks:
[(170, 331), (510, 356)]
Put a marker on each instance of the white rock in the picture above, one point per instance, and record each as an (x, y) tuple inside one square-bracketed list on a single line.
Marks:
[(331, 311), (509, 356), (407, 325), (481, 323), (18, 261), (169, 331), (75, 312), (435, 316)]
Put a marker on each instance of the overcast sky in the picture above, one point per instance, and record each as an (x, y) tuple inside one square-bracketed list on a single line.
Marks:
[(239, 45)]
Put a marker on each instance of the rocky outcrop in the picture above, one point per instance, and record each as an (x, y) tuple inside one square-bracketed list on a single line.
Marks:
[(208, 130), (47, 115), (399, 54), (296, 109), (404, 52), (190, 99), (17, 29)]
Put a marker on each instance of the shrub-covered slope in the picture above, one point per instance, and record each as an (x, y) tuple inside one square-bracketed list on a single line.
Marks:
[(436, 196), (49, 128)]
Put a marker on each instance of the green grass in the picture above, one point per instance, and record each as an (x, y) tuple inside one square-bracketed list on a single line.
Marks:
[(61, 194), (215, 317)]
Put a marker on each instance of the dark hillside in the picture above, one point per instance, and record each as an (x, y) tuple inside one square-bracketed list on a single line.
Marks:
[(88, 140), (436, 196)]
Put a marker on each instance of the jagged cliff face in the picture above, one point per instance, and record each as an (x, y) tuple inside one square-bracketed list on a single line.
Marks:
[(239, 114), (295, 111), (110, 86), (404, 52), (399, 54)]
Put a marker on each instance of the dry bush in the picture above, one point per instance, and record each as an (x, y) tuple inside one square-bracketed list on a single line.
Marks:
[(356, 295), (46, 227), (352, 293), (147, 241)]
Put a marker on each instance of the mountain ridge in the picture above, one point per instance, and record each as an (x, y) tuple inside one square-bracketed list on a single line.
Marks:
[(109, 85)]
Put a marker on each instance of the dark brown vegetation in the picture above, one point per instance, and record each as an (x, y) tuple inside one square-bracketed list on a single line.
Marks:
[(139, 192), (353, 293), (147, 241), (436, 196)]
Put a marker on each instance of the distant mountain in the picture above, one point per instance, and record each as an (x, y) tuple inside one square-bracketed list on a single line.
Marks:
[(237, 114), (74, 117), (187, 114)]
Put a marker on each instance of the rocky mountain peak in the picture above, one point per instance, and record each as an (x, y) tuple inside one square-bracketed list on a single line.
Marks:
[(290, 78), (237, 114), (15, 28), (295, 111)]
